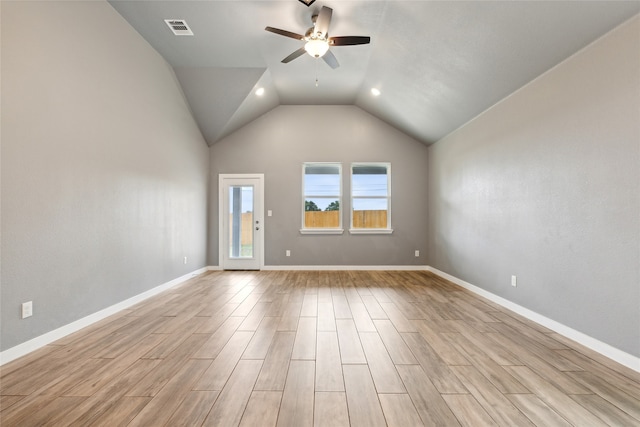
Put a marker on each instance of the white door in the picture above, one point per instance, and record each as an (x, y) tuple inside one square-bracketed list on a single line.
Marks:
[(241, 221)]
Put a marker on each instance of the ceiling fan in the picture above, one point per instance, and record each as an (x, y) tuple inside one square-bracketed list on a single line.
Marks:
[(317, 40)]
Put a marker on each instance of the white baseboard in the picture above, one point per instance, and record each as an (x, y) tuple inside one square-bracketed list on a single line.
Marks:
[(605, 349), (345, 267), (49, 337)]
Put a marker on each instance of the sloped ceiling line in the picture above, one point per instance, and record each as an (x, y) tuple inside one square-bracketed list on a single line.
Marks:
[(216, 95), (438, 64)]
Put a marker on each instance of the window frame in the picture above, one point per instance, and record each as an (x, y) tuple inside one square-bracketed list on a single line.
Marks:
[(305, 196), (387, 229)]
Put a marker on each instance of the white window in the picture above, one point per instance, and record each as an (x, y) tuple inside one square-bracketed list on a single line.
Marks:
[(371, 198), (322, 198)]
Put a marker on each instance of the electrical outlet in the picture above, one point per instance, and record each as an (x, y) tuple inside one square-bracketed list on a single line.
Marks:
[(288, 252), (185, 260), (514, 281), (417, 253), (27, 309)]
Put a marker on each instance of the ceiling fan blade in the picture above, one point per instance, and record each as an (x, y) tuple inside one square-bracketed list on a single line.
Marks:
[(349, 40), (322, 21), (330, 59), (285, 33), (294, 55)]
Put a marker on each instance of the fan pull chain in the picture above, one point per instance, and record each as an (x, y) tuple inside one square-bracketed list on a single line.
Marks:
[(317, 72)]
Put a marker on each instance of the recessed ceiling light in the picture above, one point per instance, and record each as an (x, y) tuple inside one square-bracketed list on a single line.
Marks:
[(375, 91), (260, 91)]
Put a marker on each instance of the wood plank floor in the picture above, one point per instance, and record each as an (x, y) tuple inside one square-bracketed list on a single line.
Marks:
[(339, 348)]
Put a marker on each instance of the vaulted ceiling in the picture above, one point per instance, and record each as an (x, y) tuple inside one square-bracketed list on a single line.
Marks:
[(437, 64)]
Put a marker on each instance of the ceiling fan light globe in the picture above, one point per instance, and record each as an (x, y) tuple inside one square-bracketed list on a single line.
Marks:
[(316, 48)]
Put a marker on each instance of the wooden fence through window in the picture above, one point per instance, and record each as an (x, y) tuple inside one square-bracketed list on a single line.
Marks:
[(361, 219), (319, 219)]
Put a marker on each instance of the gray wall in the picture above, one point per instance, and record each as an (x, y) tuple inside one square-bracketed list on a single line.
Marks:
[(104, 172), (546, 186), (279, 142)]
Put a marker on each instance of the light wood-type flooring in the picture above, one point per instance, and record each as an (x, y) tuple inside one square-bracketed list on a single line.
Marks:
[(339, 348)]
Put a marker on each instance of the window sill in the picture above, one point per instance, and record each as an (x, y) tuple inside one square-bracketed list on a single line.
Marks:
[(370, 230), (321, 231)]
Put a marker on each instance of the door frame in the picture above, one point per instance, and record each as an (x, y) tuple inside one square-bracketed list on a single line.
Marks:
[(258, 209)]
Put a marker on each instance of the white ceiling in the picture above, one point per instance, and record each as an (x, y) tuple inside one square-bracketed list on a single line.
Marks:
[(438, 64)]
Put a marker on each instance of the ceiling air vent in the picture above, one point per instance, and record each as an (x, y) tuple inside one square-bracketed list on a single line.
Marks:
[(179, 27)]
